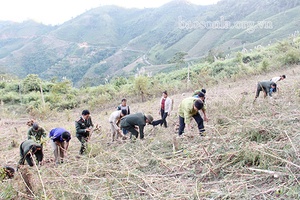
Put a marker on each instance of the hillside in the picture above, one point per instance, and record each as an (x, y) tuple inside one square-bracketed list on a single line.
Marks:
[(251, 151), (105, 42)]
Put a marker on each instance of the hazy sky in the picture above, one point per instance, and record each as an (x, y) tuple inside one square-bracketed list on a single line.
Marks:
[(58, 11)]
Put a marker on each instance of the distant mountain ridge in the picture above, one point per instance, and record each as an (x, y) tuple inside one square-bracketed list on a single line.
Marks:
[(109, 41)]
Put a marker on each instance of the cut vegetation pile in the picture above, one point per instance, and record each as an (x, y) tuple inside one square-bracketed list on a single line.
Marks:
[(251, 151)]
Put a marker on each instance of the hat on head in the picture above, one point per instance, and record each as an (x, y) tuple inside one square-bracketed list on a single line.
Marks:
[(150, 118), (198, 104), (35, 126)]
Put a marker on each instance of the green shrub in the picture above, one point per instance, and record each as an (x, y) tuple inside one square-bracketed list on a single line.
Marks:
[(264, 66), (291, 57), (31, 97), (10, 97), (12, 87), (2, 85), (7, 191)]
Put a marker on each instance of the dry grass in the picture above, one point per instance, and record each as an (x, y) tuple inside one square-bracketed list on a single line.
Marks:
[(251, 151)]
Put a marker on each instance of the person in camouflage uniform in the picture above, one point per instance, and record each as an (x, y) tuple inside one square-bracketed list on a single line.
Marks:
[(36, 133)]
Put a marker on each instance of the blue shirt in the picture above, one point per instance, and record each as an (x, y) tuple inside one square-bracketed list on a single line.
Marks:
[(271, 91), (56, 134)]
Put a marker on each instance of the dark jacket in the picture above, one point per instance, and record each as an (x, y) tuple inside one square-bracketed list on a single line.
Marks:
[(132, 120), (81, 125), (264, 86), (36, 134), (25, 149)]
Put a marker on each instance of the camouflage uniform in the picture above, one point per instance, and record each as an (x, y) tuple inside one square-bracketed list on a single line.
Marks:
[(81, 133), (36, 135)]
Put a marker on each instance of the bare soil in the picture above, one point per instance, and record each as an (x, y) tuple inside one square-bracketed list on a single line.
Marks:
[(251, 151)]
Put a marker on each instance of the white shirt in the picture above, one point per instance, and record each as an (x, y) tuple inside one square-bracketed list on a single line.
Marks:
[(168, 104), (115, 116), (275, 79)]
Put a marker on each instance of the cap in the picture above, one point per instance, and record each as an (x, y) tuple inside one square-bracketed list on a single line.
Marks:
[(35, 126), (150, 118), (198, 104)]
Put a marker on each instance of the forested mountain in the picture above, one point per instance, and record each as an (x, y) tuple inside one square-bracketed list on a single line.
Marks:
[(111, 41)]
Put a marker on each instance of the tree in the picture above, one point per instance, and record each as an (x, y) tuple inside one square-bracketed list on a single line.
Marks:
[(141, 85), (178, 58), (31, 83)]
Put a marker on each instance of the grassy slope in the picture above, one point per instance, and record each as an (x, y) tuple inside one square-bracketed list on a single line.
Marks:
[(242, 139)]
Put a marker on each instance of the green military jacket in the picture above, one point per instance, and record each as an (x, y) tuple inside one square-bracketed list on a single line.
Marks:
[(132, 120), (36, 135), (81, 125), (186, 109)]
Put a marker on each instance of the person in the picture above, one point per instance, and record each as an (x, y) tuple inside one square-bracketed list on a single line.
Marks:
[(201, 96), (84, 127), (267, 86), (124, 106), (28, 148), (114, 118), (60, 138), (278, 78), (36, 133), (6, 172), (165, 110), (129, 122), (189, 108), (197, 92)]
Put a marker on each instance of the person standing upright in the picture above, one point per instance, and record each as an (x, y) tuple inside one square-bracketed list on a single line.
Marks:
[(124, 106), (84, 128), (165, 110)]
